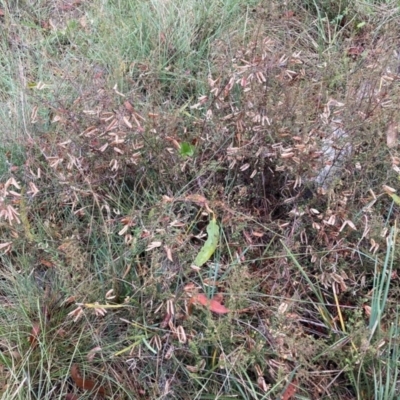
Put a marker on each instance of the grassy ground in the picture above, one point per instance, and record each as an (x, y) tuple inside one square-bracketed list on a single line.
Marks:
[(140, 136)]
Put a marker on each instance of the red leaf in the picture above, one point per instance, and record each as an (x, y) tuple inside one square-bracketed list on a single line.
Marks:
[(290, 391), (217, 307), (214, 304)]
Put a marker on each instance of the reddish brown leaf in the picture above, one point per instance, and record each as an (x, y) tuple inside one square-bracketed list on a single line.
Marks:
[(129, 106), (165, 320), (214, 304), (71, 6), (33, 337), (355, 51), (217, 307), (290, 391), (218, 297), (174, 142), (288, 14), (86, 384), (197, 198), (46, 263)]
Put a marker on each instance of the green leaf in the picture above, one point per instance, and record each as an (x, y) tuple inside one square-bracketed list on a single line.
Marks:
[(186, 149), (395, 198), (210, 245)]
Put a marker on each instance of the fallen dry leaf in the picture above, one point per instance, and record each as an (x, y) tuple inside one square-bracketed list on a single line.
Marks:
[(6, 246), (290, 391), (262, 384), (169, 253), (355, 51), (196, 198), (391, 135), (153, 245), (367, 310), (90, 356), (128, 106), (86, 384), (214, 304), (71, 6), (46, 263), (33, 337), (165, 321), (174, 142), (70, 396), (218, 297), (288, 14)]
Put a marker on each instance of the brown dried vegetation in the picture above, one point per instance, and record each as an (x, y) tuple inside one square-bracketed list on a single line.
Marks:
[(293, 138)]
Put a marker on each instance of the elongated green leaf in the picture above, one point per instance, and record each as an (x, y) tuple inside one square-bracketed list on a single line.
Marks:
[(395, 198), (210, 245)]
